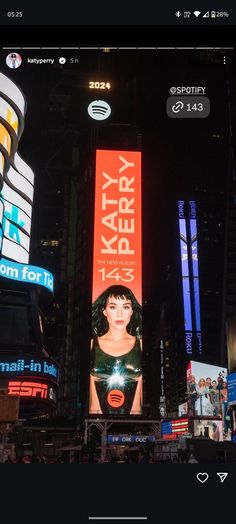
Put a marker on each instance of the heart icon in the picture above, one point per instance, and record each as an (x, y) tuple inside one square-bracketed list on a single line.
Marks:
[(202, 477)]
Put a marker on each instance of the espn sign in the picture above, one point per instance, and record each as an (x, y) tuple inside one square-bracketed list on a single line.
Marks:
[(27, 389)]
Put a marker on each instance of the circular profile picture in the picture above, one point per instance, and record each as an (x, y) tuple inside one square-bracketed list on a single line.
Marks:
[(13, 60)]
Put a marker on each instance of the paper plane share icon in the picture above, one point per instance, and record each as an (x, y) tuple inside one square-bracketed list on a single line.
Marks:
[(222, 476)]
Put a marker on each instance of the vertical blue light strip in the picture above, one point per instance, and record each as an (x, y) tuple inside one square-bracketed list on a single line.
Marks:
[(195, 272), (194, 247), (185, 279)]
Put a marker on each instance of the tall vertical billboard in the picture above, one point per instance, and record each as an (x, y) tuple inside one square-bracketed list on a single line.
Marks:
[(16, 192), (190, 275), (116, 345)]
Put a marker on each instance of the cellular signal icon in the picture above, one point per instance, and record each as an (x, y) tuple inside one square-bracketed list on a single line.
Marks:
[(206, 15), (197, 13), (99, 110)]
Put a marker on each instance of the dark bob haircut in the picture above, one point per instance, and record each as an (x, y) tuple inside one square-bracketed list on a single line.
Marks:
[(99, 322)]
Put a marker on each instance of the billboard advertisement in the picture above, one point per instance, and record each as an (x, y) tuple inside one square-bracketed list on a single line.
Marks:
[(18, 365), (172, 429), (208, 429), (116, 345), (231, 343), (207, 391), (16, 192), (16, 177), (231, 379), (33, 379), (37, 393), (183, 409), (26, 273), (190, 275)]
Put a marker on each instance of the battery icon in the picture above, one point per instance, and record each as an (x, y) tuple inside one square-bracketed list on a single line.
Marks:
[(213, 14)]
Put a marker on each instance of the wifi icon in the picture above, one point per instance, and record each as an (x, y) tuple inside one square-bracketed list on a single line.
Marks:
[(197, 13), (99, 110)]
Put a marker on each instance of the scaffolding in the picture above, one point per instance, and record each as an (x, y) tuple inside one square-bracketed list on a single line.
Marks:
[(104, 424)]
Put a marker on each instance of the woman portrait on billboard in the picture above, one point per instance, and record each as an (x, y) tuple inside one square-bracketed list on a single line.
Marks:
[(203, 405), (116, 350)]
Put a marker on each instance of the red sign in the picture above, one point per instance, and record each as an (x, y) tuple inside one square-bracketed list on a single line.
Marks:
[(171, 436), (27, 389)]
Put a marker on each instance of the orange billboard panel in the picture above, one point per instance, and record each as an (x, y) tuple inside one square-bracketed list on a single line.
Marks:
[(116, 345), (117, 222)]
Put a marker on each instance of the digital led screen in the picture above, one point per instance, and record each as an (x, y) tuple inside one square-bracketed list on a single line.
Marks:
[(17, 190), (26, 273), (116, 364), (17, 178), (130, 439), (171, 429), (22, 366), (190, 275), (208, 429), (231, 379), (207, 391), (38, 390), (183, 409)]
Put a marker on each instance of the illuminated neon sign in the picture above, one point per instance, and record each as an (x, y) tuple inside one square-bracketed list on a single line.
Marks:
[(27, 389), (99, 85), (190, 275), (32, 389), (31, 366), (16, 192), (26, 273), (130, 439), (16, 177)]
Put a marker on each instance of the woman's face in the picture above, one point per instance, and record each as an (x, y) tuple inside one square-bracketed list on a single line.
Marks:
[(201, 382), (118, 312)]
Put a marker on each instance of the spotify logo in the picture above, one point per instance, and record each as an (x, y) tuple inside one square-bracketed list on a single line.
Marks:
[(115, 398), (99, 110)]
